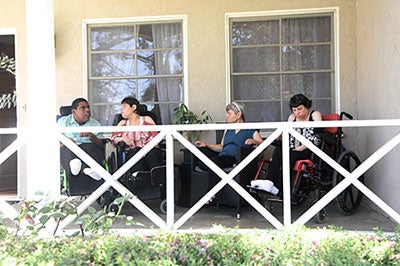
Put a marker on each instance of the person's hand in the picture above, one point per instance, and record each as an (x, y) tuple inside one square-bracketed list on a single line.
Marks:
[(86, 134), (300, 148), (250, 142), (123, 139), (201, 143)]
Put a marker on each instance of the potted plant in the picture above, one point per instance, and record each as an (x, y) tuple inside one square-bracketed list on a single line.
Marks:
[(184, 116)]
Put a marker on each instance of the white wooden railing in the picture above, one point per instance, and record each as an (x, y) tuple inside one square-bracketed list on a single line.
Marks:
[(171, 132)]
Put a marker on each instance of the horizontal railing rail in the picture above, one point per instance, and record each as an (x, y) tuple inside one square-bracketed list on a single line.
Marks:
[(169, 133)]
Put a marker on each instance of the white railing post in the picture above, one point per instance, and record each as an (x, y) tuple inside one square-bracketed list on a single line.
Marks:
[(287, 219), (170, 180)]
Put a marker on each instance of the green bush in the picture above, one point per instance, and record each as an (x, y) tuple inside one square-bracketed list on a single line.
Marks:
[(94, 243), (289, 246)]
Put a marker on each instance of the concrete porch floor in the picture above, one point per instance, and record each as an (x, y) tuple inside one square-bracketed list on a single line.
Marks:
[(365, 218)]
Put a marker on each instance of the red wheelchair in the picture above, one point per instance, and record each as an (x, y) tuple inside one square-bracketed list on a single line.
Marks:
[(313, 177)]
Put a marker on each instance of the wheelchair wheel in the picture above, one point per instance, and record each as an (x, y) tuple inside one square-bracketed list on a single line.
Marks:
[(349, 200), (163, 206), (319, 218)]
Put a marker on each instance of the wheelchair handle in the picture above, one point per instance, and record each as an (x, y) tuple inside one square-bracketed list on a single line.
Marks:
[(347, 115)]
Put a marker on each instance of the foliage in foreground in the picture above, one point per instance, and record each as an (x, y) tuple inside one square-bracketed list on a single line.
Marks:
[(293, 246)]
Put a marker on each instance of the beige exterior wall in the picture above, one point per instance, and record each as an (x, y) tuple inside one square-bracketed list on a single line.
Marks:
[(206, 42), (378, 75)]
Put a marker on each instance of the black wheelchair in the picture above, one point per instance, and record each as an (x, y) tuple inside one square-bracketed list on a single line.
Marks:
[(313, 177), (146, 185)]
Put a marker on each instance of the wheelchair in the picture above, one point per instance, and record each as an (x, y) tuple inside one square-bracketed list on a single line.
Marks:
[(146, 185), (313, 177)]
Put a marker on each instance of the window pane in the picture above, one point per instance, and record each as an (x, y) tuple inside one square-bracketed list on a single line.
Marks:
[(263, 111), (170, 89), (105, 114), (145, 37), (324, 106), (259, 32), (171, 62), (147, 90), (258, 59), (112, 38), (113, 65), (167, 35), (256, 87), (145, 63), (306, 30), (105, 91), (316, 85), (306, 57)]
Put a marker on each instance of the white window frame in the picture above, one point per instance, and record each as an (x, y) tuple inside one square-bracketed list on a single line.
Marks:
[(334, 10), (156, 19)]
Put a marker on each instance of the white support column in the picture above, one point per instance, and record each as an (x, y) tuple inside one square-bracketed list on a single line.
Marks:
[(42, 145)]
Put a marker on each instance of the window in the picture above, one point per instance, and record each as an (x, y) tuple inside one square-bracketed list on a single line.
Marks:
[(273, 58), (140, 59)]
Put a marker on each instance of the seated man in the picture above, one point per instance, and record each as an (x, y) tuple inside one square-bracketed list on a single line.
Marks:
[(91, 143)]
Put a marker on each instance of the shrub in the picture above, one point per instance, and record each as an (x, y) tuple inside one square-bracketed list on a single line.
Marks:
[(290, 246)]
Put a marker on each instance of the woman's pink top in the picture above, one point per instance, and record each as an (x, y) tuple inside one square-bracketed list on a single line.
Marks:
[(139, 138)]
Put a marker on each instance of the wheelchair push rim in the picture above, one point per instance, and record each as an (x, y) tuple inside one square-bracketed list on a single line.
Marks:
[(350, 199)]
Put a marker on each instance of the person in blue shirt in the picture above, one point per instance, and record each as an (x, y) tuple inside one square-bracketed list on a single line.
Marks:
[(226, 153), (91, 142)]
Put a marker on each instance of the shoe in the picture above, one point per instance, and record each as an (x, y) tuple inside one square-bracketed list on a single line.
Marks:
[(91, 173), (75, 166)]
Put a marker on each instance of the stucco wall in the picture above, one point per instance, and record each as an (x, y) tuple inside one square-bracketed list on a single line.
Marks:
[(206, 42), (378, 74)]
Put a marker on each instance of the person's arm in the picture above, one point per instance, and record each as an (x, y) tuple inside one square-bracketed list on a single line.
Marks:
[(214, 147), (317, 116), (256, 140), (93, 137)]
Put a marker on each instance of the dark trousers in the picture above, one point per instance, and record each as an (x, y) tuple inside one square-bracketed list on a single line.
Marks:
[(94, 150), (223, 161), (275, 168), (152, 159)]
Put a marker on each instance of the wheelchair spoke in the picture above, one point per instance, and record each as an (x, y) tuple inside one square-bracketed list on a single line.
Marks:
[(349, 200)]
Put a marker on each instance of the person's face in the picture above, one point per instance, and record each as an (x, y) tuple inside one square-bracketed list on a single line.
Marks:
[(231, 117), (127, 110), (300, 112), (82, 113)]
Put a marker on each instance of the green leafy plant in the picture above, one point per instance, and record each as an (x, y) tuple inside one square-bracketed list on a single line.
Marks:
[(101, 222), (36, 216), (184, 116)]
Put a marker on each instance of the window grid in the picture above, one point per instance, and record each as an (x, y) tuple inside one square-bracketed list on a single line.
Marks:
[(283, 100), (136, 78)]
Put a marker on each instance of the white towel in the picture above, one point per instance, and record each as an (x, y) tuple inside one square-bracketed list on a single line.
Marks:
[(266, 185)]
